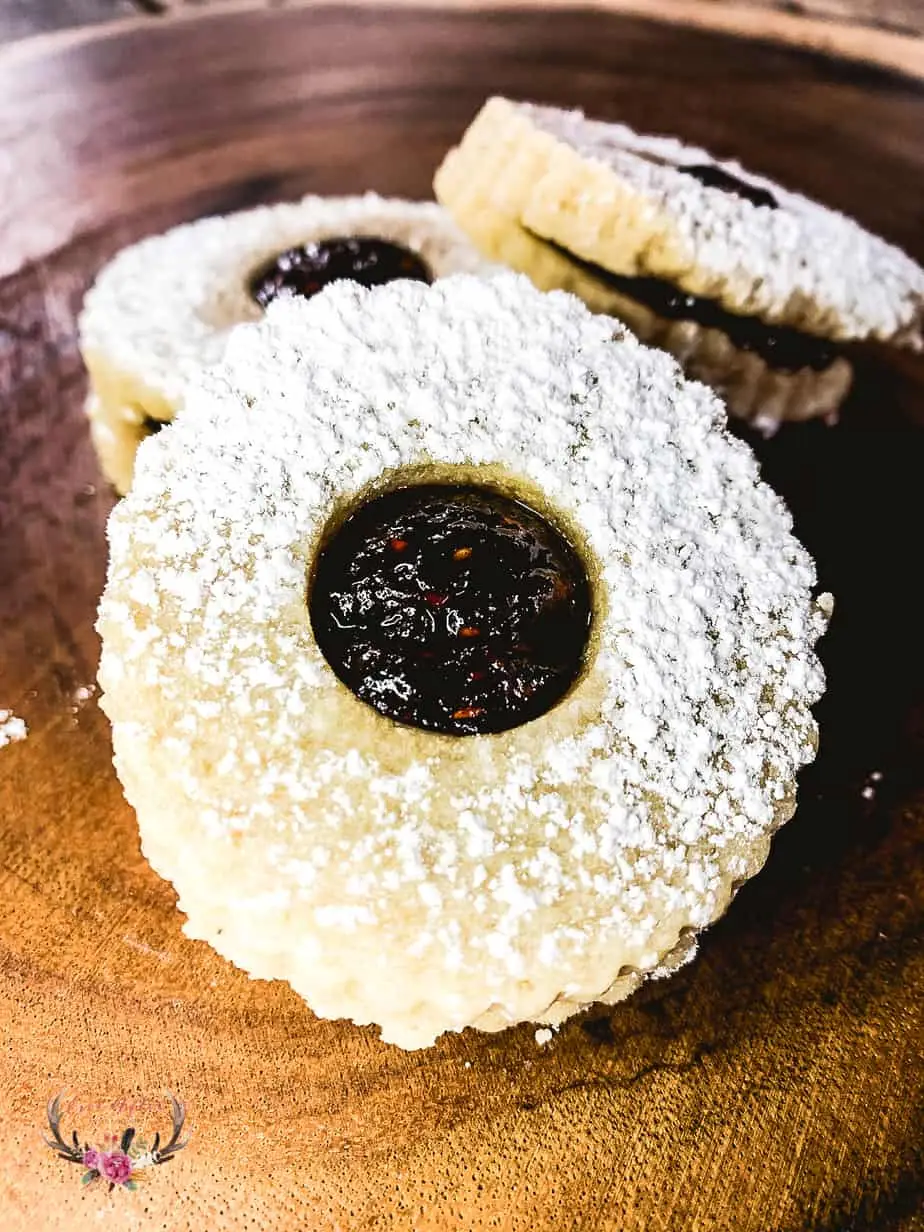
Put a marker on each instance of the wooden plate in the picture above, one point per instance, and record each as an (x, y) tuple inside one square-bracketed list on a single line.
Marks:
[(774, 1084)]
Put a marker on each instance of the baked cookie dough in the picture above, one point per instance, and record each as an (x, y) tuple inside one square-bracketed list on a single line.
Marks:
[(653, 207), (657, 221), (164, 307), (116, 433), (402, 876), (765, 376)]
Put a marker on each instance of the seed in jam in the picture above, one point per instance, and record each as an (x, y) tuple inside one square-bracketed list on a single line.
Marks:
[(450, 608), (714, 177), (310, 268)]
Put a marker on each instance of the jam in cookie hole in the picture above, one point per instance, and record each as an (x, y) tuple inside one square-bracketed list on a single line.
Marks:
[(452, 608), (308, 269)]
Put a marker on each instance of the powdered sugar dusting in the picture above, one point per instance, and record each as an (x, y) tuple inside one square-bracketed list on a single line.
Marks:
[(411, 879)]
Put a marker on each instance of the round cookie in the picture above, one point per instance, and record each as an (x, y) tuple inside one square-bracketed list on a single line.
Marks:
[(653, 207), (422, 881), (747, 374), (164, 307)]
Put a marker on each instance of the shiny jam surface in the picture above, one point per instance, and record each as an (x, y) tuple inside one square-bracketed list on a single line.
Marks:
[(453, 609), (310, 268), (781, 347)]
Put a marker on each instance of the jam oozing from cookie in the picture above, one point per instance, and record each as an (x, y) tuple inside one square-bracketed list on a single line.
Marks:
[(714, 177), (452, 608), (310, 268), (781, 347)]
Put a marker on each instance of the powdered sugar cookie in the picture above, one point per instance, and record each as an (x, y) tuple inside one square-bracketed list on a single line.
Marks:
[(459, 663), (653, 207), (164, 307), (764, 374)]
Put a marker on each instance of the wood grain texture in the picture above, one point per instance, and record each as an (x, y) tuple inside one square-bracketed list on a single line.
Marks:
[(20, 18), (891, 14), (776, 1085), (846, 40), (772, 18)]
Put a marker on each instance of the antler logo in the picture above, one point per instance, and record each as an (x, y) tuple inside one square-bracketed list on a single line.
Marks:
[(120, 1160)]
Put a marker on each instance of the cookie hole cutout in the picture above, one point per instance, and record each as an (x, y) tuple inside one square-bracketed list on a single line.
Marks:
[(309, 268), (451, 607)]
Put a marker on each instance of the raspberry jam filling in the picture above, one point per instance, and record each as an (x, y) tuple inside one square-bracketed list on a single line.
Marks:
[(454, 609), (714, 177), (310, 268), (781, 347)]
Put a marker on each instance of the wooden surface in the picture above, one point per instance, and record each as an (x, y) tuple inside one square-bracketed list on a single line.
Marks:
[(874, 43), (20, 18), (773, 1086)]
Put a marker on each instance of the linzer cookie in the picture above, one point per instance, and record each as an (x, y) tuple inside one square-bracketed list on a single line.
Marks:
[(458, 661), (751, 286), (164, 307), (764, 374)]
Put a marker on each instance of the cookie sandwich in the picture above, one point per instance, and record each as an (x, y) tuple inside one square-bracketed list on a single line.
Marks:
[(755, 289), (459, 663), (164, 307)]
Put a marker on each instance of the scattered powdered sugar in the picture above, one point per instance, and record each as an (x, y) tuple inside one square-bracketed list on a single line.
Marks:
[(165, 306), (418, 880), (779, 264), (544, 1036), (79, 698), (12, 729)]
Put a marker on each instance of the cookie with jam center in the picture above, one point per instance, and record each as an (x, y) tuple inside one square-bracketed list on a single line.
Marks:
[(765, 374), (654, 211), (164, 307), (385, 511)]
